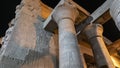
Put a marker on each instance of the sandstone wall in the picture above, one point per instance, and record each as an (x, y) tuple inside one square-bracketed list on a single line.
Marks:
[(26, 43)]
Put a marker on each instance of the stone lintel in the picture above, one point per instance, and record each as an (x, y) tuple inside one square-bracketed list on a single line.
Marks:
[(100, 15), (101, 10), (50, 24)]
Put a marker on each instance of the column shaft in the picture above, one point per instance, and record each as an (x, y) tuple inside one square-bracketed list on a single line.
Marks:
[(102, 57), (68, 46), (69, 55)]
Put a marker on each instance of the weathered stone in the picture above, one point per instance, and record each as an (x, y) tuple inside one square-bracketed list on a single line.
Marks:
[(40, 62), (101, 10), (9, 62), (115, 12), (28, 45), (50, 24), (69, 56), (26, 40), (101, 54)]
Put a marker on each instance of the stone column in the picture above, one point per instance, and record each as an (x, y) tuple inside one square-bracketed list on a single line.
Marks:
[(115, 12), (69, 56), (102, 57)]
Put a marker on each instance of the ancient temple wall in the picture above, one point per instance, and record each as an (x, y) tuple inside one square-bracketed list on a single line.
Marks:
[(26, 43)]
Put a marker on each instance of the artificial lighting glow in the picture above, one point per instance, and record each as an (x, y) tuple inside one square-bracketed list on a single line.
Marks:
[(115, 61)]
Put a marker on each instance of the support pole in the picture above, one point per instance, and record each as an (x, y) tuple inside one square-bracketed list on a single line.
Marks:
[(69, 56), (102, 57)]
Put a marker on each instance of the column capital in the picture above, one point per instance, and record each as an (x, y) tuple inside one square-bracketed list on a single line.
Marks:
[(93, 30), (65, 11), (101, 54)]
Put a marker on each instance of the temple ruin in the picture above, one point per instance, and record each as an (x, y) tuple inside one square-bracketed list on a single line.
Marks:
[(66, 36)]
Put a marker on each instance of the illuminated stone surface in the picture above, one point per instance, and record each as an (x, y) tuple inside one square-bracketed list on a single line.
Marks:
[(115, 12), (101, 54), (28, 45), (69, 56)]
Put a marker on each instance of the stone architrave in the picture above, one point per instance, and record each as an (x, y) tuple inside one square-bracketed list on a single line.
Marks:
[(115, 12)]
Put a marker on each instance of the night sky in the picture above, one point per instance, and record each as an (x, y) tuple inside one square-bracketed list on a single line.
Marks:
[(7, 13)]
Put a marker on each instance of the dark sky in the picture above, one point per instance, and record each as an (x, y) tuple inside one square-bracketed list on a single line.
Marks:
[(7, 13), (89, 5)]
